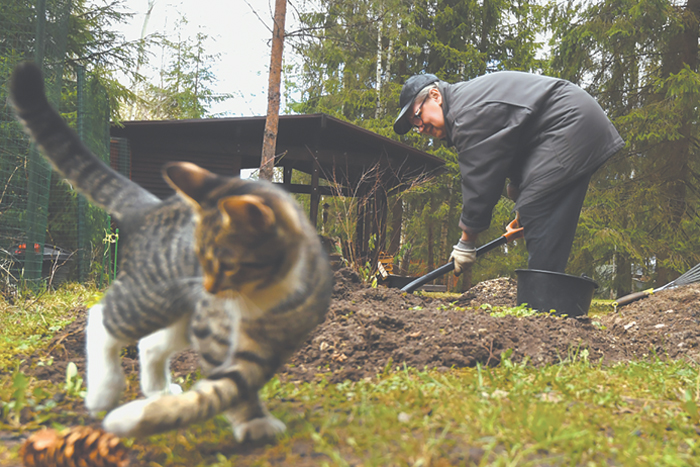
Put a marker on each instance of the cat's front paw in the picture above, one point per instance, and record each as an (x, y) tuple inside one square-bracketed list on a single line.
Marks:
[(266, 427), (103, 392), (104, 376), (126, 420), (172, 388)]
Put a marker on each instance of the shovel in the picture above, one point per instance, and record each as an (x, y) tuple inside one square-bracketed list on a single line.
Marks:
[(513, 231)]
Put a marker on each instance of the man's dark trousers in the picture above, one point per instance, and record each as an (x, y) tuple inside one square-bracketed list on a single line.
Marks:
[(550, 225)]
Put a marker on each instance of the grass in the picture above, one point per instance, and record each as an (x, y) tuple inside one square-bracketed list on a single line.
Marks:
[(30, 320), (572, 413), (597, 307)]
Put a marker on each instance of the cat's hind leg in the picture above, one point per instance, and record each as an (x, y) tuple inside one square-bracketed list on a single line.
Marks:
[(155, 351), (105, 378), (251, 421)]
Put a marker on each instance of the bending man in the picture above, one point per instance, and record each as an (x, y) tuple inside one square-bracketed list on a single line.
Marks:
[(546, 135)]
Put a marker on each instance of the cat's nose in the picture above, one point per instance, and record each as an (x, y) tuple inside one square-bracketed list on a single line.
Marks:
[(211, 283)]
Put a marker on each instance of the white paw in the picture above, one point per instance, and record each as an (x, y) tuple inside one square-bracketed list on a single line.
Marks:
[(258, 428), (104, 394), (125, 420), (154, 356), (105, 379), (171, 388)]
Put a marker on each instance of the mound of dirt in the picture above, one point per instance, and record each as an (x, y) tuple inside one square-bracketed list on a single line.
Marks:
[(368, 329), (496, 292)]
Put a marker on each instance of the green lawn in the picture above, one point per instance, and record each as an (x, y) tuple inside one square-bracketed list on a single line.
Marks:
[(573, 413)]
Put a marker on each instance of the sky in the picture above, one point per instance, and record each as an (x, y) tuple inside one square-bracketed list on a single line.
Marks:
[(235, 31)]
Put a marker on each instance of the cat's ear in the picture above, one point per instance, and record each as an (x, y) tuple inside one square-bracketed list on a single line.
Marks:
[(248, 209), (189, 180)]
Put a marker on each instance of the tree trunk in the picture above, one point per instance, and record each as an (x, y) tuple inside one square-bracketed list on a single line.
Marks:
[(389, 56), (267, 161), (378, 77), (405, 261), (623, 276)]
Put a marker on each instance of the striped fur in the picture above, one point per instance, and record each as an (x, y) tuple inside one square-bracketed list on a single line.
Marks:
[(231, 267)]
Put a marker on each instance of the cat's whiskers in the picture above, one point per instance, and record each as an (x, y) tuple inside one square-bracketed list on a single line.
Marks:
[(266, 298), (249, 308), (256, 305)]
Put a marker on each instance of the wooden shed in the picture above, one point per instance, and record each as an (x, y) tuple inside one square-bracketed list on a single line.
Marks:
[(341, 158)]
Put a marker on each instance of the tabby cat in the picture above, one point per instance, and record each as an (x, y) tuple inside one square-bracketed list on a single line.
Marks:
[(230, 267)]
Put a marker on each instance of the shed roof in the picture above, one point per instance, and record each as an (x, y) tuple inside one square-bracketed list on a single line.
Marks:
[(341, 152)]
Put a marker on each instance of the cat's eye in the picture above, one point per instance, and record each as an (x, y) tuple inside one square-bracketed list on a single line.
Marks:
[(229, 265), (256, 265), (231, 269)]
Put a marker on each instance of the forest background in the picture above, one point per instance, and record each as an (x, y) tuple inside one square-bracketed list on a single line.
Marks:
[(640, 224)]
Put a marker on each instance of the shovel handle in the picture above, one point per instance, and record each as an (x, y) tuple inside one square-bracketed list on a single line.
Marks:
[(513, 231), (434, 274), (633, 297)]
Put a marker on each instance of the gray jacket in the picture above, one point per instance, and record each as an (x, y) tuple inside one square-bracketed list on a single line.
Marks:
[(540, 132)]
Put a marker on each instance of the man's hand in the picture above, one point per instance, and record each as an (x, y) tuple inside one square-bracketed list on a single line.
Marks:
[(463, 254)]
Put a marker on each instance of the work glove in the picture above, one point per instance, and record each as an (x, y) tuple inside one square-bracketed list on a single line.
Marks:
[(463, 254)]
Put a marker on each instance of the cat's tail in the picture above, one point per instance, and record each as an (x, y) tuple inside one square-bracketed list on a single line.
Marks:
[(62, 147), (207, 398)]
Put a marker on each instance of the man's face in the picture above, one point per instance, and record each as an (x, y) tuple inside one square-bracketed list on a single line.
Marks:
[(427, 115)]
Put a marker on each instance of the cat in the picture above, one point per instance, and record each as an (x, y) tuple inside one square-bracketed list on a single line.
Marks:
[(231, 267)]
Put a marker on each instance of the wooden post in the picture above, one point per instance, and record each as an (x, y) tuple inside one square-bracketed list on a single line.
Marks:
[(369, 226), (287, 178), (383, 217), (267, 161), (466, 279), (396, 221), (315, 196), (236, 166), (360, 240)]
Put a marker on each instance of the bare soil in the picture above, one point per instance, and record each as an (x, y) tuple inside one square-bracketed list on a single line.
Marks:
[(367, 329)]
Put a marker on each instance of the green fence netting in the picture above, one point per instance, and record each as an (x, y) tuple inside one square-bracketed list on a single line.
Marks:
[(48, 233)]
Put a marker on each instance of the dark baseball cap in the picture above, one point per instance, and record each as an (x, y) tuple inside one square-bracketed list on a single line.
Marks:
[(410, 90)]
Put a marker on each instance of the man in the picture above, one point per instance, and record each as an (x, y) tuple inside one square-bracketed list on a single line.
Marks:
[(546, 135)]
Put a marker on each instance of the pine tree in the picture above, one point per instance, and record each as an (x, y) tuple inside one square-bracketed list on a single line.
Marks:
[(354, 59), (184, 90), (640, 60)]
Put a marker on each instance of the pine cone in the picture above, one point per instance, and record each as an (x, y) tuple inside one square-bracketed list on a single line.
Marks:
[(79, 446)]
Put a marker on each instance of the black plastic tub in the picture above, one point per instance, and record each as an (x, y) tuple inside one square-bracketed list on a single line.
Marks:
[(397, 282), (546, 290)]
